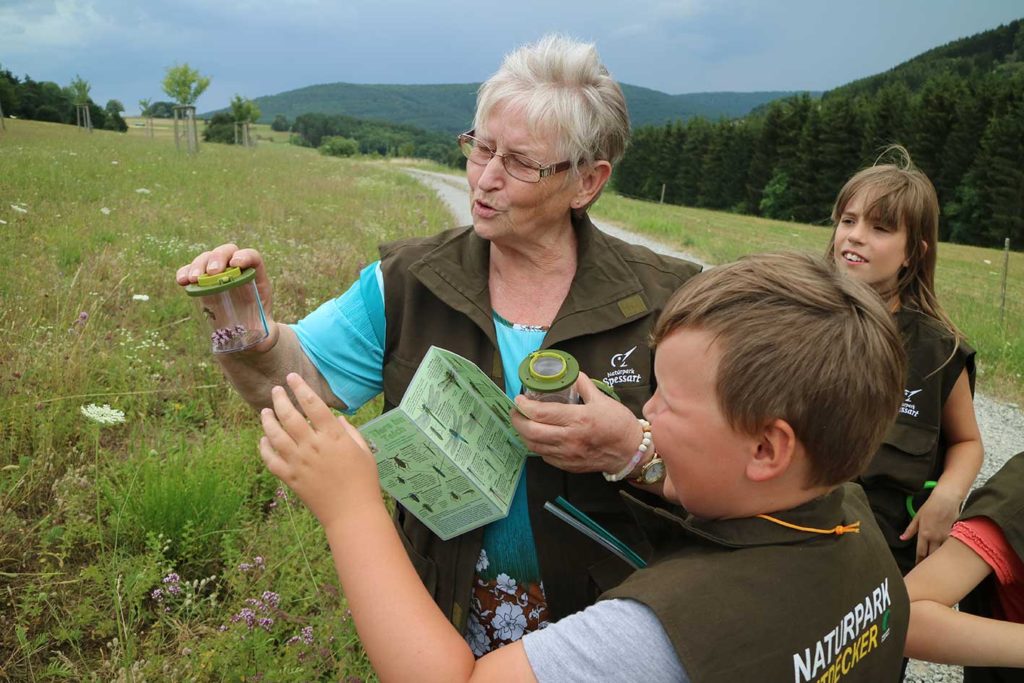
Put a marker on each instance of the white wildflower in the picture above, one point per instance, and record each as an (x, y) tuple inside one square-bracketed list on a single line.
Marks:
[(19, 209), (140, 297), (986, 262), (103, 414), (114, 163), (3, 222), (105, 211), (142, 190)]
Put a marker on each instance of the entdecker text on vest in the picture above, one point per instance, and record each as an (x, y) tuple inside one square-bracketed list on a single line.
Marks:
[(853, 638)]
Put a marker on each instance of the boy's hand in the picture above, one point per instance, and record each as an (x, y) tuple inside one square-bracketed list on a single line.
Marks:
[(598, 436), (325, 460), (933, 522)]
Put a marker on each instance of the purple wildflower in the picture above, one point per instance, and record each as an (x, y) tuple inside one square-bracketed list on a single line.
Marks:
[(271, 598), (244, 567), (258, 560), (172, 581), (157, 595), (247, 615), (221, 337), (305, 636), (266, 623)]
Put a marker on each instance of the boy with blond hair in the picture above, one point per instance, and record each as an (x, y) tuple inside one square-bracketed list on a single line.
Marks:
[(777, 379)]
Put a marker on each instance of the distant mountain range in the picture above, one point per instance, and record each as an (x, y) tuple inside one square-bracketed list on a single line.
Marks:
[(449, 108)]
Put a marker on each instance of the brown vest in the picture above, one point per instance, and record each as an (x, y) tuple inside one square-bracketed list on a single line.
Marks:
[(913, 451), (436, 293), (1001, 499), (749, 600)]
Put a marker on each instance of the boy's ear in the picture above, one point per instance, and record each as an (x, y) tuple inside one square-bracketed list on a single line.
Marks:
[(777, 444)]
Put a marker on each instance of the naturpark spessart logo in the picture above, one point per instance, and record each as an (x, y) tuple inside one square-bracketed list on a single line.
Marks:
[(622, 372), (908, 407)]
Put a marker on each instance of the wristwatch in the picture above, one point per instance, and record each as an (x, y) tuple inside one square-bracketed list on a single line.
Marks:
[(653, 472)]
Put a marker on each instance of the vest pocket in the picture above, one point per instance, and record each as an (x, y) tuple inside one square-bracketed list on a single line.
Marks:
[(906, 458), (415, 535)]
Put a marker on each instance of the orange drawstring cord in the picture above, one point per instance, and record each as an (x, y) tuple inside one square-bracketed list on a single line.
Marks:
[(838, 531)]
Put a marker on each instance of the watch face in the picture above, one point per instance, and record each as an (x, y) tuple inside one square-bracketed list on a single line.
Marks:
[(654, 471)]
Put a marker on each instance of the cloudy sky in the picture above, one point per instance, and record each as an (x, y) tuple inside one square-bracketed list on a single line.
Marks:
[(262, 47)]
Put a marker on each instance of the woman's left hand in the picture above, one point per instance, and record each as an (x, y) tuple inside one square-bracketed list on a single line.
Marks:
[(325, 460), (599, 435), (933, 522)]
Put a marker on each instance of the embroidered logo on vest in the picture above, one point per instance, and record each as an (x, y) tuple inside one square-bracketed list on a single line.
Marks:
[(908, 407), (622, 372)]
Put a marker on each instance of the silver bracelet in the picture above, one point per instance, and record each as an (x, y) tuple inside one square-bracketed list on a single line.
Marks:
[(641, 450)]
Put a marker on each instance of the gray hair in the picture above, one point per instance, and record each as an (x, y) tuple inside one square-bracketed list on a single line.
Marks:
[(560, 84)]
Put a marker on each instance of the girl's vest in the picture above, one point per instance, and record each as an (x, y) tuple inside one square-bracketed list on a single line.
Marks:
[(913, 451), (750, 600), (436, 293)]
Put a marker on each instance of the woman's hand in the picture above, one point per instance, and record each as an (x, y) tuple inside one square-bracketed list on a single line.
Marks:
[(227, 256), (601, 435), (325, 460)]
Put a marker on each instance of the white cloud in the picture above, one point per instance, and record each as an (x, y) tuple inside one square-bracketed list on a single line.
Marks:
[(36, 27)]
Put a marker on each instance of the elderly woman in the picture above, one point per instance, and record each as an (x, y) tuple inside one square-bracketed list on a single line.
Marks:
[(531, 272)]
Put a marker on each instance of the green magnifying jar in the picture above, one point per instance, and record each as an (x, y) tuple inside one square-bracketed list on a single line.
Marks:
[(916, 500)]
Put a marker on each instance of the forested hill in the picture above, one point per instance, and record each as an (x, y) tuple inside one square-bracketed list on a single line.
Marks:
[(974, 56), (958, 109), (449, 108)]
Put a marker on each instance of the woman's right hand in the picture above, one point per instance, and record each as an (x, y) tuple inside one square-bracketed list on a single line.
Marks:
[(226, 256)]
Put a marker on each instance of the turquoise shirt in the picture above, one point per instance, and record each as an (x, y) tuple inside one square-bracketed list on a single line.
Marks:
[(344, 338)]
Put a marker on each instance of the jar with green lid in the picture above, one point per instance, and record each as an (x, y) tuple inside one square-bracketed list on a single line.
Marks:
[(230, 305), (550, 375)]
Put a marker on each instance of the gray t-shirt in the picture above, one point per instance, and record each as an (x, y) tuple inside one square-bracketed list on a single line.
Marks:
[(614, 640)]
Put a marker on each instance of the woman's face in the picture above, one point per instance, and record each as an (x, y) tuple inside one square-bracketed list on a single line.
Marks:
[(506, 208)]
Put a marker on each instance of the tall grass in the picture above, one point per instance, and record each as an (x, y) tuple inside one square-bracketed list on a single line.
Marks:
[(93, 518)]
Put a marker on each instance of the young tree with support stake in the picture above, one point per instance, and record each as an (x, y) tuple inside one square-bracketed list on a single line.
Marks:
[(79, 90), (184, 85), (144, 110), (245, 112)]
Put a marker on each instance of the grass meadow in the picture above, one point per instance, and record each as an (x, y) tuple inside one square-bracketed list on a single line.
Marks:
[(158, 548), (150, 543)]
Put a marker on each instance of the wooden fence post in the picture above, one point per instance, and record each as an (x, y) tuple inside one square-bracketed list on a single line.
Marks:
[(1006, 268)]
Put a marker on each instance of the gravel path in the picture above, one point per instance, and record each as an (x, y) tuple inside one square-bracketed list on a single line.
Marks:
[(1002, 424)]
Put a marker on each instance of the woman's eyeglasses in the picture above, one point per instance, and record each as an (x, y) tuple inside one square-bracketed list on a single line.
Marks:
[(516, 165)]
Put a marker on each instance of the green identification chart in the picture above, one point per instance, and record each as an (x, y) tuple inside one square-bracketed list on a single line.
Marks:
[(448, 453)]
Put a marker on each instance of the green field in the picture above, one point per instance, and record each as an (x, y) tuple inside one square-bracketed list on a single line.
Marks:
[(164, 128), (132, 551)]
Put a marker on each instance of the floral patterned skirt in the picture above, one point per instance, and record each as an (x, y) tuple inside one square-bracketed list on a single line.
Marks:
[(503, 611)]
